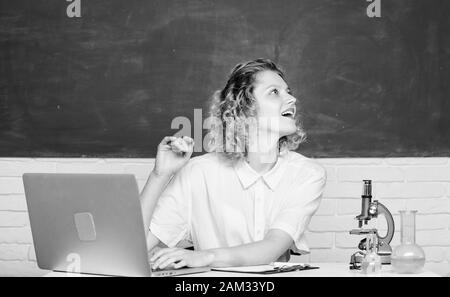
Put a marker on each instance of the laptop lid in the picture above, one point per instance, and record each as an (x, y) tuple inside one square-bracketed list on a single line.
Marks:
[(88, 223)]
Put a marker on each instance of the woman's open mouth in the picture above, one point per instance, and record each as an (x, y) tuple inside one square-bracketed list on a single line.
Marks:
[(289, 112)]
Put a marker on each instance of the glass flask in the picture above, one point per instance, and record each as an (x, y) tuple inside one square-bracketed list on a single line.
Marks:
[(408, 257), (371, 263)]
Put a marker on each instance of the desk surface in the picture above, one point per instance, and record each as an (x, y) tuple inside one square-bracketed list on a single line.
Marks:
[(325, 270)]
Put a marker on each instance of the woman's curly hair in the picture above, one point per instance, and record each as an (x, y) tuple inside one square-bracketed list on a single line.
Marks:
[(232, 106)]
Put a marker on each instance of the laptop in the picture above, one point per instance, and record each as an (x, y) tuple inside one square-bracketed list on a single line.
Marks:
[(90, 223)]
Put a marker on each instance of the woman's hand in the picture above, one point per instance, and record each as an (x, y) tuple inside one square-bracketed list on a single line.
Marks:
[(173, 153), (178, 258)]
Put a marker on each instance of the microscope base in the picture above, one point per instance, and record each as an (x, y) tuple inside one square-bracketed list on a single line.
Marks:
[(357, 258)]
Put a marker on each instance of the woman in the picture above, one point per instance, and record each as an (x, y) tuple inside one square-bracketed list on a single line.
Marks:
[(251, 198)]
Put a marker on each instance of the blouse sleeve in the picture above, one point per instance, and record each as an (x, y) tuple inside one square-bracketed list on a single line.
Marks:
[(295, 215), (170, 221)]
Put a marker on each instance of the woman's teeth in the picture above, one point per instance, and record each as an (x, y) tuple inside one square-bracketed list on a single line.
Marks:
[(288, 113)]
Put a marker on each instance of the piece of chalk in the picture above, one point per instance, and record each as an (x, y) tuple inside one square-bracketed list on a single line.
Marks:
[(179, 145)]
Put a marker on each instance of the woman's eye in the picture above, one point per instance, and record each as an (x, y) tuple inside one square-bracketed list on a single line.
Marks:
[(274, 91)]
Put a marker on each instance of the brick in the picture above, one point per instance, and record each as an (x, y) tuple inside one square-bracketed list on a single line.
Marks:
[(331, 223), (107, 167), (376, 174), (20, 268), (331, 255), (32, 254), (140, 171), (429, 206), (327, 207), (442, 269), (348, 207), (343, 190), (16, 235), (319, 240), (36, 166), (432, 222), (16, 159), (15, 202), (447, 254), (11, 185), (433, 238), (416, 161), (16, 168), (410, 190), (434, 254), (331, 174), (427, 173), (126, 161), (13, 252), (84, 166), (74, 160), (7, 167), (350, 161), (13, 219)]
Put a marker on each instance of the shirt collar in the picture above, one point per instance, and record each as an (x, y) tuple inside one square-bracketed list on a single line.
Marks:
[(248, 176)]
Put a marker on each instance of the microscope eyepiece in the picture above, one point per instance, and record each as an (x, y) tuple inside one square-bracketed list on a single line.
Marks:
[(367, 188)]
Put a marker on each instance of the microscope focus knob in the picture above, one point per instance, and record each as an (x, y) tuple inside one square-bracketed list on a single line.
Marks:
[(373, 209), (362, 244)]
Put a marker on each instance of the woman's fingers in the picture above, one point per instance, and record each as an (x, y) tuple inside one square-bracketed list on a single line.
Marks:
[(190, 143), (166, 140), (167, 258), (180, 264), (171, 260), (154, 250), (161, 252), (182, 145), (177, 146), (188, 140)]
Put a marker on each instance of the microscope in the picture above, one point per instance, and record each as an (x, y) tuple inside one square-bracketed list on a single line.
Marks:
[(370, 210)]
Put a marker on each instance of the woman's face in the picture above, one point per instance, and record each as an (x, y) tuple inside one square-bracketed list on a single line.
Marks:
[(276, 106)]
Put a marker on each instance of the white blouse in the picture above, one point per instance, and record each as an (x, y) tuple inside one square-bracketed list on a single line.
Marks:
[(210, 203)]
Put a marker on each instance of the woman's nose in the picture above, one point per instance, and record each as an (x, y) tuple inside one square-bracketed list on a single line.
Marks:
[(290, 99)]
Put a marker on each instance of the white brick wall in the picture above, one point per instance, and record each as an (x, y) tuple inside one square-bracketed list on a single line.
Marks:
[(399, 183)]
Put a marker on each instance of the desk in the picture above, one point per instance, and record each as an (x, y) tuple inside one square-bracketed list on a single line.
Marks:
[(325, 270)]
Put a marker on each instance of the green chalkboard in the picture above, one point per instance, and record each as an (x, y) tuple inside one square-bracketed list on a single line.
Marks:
[(110, 82)]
